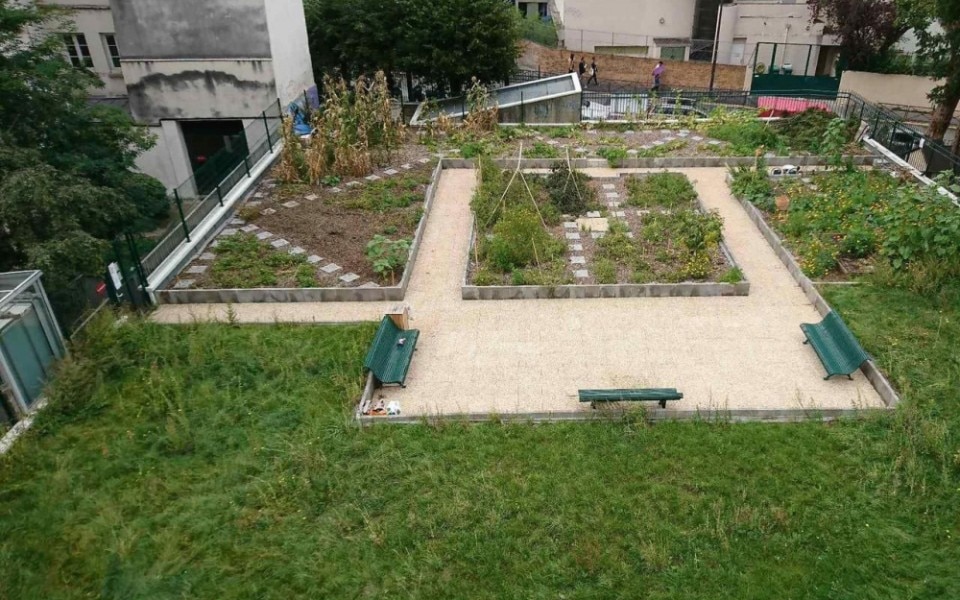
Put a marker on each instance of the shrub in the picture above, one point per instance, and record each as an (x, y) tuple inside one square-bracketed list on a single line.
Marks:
[(519, 240), (805, 131), (569, 190), (699, 232), (484, 276), (754, 186), (541, 150), (386, 256), (920, 225), (731, 275), (616, 246), (695, 265), (605, 271), (614, 154), (667, 190), (745, 134)]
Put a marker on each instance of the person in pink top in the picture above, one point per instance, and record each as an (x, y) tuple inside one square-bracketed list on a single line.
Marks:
[(657, 73)]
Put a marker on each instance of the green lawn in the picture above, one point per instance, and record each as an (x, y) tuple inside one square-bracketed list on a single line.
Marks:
[(215, 461)]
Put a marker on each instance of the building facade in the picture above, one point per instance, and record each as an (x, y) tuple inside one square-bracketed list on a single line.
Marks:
[(198, 74)]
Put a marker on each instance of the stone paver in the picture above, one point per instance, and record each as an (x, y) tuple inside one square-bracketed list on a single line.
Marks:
[(349, 277), (581, 274), (291, 204), (313, 259), (281, 243), (372, 178), (268, 211), (196, 270), (609, 187), (228, 232), (578, 260), (391, 172), (576, 247), (249, 228), (330, 268), (236, 222), (208, 256), (484, 357), (184, 284), (573, 235), (264, 235), (296, 251), (311, 197)]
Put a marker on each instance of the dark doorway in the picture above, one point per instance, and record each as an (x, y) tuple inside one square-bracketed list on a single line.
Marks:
[(215, 148)]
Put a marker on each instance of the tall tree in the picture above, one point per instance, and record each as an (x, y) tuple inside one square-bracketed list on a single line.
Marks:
[(936, 24), (67, 182), (867, 29), (444, 42)]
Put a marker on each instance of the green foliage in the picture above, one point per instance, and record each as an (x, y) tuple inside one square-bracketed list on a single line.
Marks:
[(699, 232), (919, 224), (541, 150), (835, 139), (666, 190), (550, 273), (753, 185), (387, 256), (605, 271), (443, 43), (520, 240), (616, 246), (731, 275), (385, 195), (615, 155), (746, 134), (245, 262), (569, 190), (538, 31)]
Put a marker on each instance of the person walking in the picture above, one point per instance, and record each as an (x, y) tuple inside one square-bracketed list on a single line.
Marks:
[(593, 72), (572, 65), (582, 68), (657, 74)]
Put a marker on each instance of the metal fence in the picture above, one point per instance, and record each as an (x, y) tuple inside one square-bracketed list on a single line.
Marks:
[(197, 197)]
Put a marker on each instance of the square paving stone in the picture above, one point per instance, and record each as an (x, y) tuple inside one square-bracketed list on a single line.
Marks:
[(254, 203), (259, 195), (407, 166), (597, 234), (619, 213), (229, 231), (423, 161), (609, 186), (197, 269), (311, 197), (236, 222), (570, 225), (669, 139), (264, 235), (581, 274), (592, 132), (612, 195), (714, 142), (646, 147), (629, 132), (368, 285), (281, 243), (578, 260), (331, 268), (632, 152), (613, 204), (696, 138), (249, 228), (553, 143), (352, 183), (576, 247), (658, 142), (641, 213), (391, 172), (580, 150), (349, 277), (335, 190), (313, 259), (208, 256), (297, 250), (184, 284), (268, 211), (665, 131), (593, 214), (573, 235), (630, 234), (291, 204), (214, 244)]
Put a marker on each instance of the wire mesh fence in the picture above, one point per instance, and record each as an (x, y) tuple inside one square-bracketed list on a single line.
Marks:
[(194, 199)]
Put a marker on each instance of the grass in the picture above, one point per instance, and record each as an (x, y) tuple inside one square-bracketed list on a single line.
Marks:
[(664, 190), (243, 261), (390, 194), (216, 461)]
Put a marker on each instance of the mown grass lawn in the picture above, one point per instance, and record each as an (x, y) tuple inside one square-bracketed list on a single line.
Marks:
[(215, 461)]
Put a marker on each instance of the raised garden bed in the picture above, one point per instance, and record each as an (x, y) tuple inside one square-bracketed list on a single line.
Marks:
[(619, 237), (344, 240)]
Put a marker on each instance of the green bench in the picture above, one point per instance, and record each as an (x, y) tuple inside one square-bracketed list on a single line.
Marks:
[(390, 354), (659, 395), (835, 345)]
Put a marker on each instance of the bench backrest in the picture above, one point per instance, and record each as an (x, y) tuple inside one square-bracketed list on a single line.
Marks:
[(387, 335), (846, 342)]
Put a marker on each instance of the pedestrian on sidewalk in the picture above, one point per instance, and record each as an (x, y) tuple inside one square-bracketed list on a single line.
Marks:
[(593, 72), (657, 74), (572, 65), (582, 68)]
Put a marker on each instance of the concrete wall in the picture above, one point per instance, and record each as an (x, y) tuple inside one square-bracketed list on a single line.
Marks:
[(755, 22), (178, 29), (679, 74), (92, 18), (904, 90), (289, 48), (565, 109), (159, 161), (198, 89), (632, 19)]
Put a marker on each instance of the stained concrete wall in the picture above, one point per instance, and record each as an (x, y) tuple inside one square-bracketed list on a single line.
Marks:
[(902, 90), (198, 89), (289, 48), (629, 18), (186, 29), (92, 18)]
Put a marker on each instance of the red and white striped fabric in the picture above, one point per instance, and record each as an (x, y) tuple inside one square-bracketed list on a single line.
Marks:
[(789, 105)]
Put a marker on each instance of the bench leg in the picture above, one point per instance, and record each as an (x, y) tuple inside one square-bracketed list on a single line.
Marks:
[(663, 403), (849, 377), (806, 341)]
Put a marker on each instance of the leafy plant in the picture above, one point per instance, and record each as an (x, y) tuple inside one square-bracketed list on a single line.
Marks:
[(244, 262), (605, 271), (614, 154), (731, 275), (835, 139), (520, 240), (667, 190), (541, 150), (330, 180), (569, 190), (753, 185), (699, 232), (745, 134), (386, 256)]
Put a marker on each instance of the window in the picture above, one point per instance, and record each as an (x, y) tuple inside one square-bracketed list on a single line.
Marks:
[(77, 50), (113, 51), (673, 52), (543, 10)]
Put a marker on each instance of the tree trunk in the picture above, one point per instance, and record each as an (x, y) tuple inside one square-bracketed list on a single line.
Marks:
[(943, 113)]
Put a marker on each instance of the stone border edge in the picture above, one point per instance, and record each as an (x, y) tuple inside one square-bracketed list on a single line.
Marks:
[(330, 294), (665, 162), (873, 374)]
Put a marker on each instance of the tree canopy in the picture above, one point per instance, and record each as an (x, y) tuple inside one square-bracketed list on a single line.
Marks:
[(67, 183), (867, 30), (443, 42)]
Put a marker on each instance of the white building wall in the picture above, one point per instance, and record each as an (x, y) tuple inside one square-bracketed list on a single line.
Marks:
[(788, 25), (93, 19), (289, 49), (159, 162)]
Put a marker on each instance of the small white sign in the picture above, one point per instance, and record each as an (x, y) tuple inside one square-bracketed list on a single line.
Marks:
[(114, 270)]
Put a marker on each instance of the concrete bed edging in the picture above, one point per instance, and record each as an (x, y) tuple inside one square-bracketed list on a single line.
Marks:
[(392, 293), (873, 374), (664, 162), (612, 413), (612, 290)]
